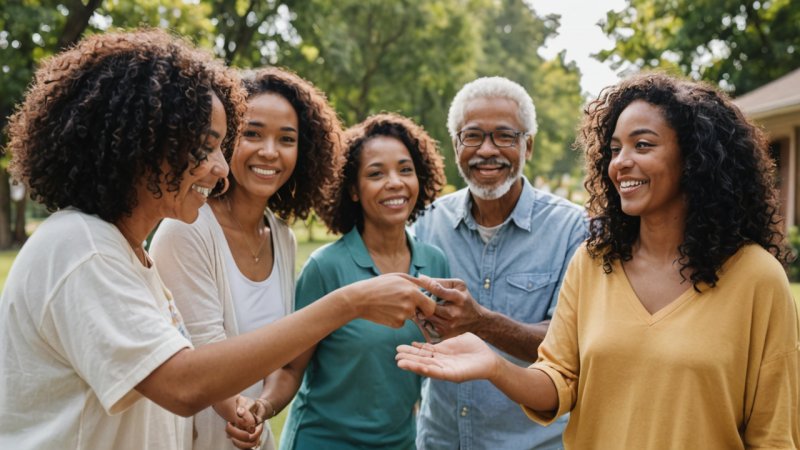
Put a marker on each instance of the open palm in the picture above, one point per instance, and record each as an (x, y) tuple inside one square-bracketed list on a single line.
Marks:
[(462, 358)]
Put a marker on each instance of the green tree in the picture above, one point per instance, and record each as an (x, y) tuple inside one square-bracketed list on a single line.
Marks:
[(31, 30), (512, 38), (739, 44), (407, 56), (404, 56)]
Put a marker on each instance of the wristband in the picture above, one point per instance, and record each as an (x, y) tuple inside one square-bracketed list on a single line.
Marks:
[(271, 411)]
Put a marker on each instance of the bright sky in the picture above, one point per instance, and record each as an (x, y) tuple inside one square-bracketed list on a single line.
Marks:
[(580, 36)]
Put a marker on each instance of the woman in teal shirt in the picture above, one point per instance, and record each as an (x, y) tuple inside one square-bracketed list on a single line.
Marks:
[(353, 395)]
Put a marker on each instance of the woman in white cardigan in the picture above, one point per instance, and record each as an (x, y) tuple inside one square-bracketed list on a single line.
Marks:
[(232, 271)]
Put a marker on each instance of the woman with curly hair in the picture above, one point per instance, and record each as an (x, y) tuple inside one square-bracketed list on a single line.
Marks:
[(352, 395), (115, 134), (232, 270), (675, 327)]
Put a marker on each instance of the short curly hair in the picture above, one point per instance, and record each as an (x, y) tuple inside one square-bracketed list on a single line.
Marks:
[(319, 146), (340, 213), (106, 114), (728, 177)]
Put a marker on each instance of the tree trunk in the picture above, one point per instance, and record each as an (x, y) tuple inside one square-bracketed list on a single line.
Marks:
[(6, 238), (20, 235)]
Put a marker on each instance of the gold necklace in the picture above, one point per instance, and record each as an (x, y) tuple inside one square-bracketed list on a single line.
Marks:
[(256, 254), (138, 249)]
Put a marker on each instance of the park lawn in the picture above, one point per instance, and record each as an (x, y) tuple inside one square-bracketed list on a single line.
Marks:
[(6, 258)]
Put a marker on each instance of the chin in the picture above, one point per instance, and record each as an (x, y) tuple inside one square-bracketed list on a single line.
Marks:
[(490, 192)]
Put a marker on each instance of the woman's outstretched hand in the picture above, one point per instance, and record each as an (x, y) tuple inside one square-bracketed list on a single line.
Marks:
[(462, 358)]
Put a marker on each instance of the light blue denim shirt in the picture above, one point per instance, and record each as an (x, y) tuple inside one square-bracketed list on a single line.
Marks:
[(517, 273)]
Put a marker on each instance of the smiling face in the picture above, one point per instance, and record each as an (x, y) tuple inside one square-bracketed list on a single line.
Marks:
[(646, 162), (490, 171), (387, 186), (266, 154), (198, 180)]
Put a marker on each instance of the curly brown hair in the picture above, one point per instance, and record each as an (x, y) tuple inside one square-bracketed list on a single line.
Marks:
[(340, 213), (728, 177), (319, 146), (107, 113)]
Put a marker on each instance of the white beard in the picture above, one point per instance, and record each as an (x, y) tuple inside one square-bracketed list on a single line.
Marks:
[(491, 192)]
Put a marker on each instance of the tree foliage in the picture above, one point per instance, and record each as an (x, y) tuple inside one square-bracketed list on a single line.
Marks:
[(406, 56), (739, 44)]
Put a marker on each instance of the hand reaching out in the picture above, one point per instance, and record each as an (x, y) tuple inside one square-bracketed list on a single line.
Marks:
[(462, 358), (388, 299)]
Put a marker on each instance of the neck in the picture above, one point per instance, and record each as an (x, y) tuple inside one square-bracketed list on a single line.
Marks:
[(246, 209), (383, 241), (490, 213), (135, 229), (660, 237)]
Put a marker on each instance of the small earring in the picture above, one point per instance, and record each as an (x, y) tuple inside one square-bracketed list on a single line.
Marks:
[(224, 189)]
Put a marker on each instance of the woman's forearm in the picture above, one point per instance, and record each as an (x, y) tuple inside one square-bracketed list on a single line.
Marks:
[(526, 386), (193, 379)]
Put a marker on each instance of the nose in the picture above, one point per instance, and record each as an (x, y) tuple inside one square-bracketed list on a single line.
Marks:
[(219, 167), (622, 160), (393, 180), (268, 150), (487, 147)]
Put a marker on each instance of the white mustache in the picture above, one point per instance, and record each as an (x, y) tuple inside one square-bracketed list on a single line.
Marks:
[(477, 161)]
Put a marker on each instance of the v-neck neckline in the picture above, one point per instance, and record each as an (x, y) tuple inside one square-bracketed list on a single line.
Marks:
[(642, 312)]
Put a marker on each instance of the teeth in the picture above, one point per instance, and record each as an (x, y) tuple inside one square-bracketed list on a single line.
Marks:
[(204, 191), (395, 202), (631, 183), (264, 171)]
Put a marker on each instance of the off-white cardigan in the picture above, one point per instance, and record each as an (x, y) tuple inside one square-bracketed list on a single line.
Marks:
[(190, 259)]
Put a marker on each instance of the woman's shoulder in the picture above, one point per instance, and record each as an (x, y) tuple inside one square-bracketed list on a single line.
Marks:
[(330, 253), (426, 250), (204, 225), (755, 263)]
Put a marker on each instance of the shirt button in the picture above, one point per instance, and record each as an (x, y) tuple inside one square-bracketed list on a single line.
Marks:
[(464, 411), (487, 283)]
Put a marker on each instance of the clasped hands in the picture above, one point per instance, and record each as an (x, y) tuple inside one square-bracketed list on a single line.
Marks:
[(456, 312), (247, 426)]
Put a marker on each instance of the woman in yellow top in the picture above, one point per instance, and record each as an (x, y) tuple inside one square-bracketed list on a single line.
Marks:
[(675, 327)]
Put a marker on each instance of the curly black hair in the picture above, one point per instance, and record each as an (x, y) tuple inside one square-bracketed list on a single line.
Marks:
[(106, 114), (340, 213), (319, 146), (728, 177)]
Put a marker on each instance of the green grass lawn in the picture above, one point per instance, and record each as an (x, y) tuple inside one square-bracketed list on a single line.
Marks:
[(6, 258)]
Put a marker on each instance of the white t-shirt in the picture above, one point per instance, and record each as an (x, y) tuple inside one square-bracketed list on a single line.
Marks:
[(258, 303), (82, 322)]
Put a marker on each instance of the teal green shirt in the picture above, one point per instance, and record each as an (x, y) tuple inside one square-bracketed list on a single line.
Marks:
[(353, 395)]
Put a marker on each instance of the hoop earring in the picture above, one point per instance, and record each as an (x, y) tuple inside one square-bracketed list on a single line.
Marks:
[(225, 185)]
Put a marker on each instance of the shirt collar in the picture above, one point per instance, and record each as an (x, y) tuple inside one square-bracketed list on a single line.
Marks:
[(520, 215), (358, 251)]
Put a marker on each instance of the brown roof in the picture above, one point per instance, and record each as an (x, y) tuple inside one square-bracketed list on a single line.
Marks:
[(776, 97)]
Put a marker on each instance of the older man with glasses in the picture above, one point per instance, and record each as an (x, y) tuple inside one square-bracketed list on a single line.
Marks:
[(511, 244)]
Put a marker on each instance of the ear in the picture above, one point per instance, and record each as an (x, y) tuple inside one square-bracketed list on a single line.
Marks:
[(528, 147), (353, 194)]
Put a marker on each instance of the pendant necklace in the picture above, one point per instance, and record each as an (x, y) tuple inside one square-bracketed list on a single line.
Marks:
[(256, 254)]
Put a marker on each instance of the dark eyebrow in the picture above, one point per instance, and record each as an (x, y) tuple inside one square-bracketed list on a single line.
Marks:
[(214, 134), (640, 131), (259, 124)]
